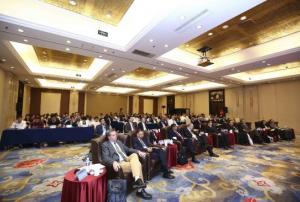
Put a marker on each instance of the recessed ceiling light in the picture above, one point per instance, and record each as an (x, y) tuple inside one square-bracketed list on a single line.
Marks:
[(12, 67), (151, 40), (112, 69), (166, 46), (25, 40), (109, 14), (187, 45), (186, 74), (232, 69), (20, 30), (105, 50), (210, 34), (123, 71), (243, 17), (154, 67), (182, 17), (199, 26), (67, 49), (100, 56), (269, 64), (73, 3), (180, 68), (68, 41), (85, 60), (162, 64), (225, 26), (196, 72), (263, 61), (3, 60)]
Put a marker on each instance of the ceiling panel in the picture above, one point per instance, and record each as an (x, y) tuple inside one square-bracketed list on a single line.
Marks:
[(268, 21), (108, 11)]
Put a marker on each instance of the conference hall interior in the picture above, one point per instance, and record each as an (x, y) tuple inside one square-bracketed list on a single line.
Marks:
[(150, 100)]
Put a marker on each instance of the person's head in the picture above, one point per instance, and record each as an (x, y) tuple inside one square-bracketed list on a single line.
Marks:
[(143, 120), (210, 124), (112, 135), (263, 122), (174, 127), (140, 134), (231, 122), (131, 119), (96, 118), (19, 119), (37, 117), (190, 126), (102, 120)]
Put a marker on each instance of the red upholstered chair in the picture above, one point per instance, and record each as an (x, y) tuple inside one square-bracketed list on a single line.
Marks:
[(231, 139)]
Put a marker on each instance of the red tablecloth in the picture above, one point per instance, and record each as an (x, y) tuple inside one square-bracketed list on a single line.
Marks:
[(172, 155), (90, 189), (231, 139)]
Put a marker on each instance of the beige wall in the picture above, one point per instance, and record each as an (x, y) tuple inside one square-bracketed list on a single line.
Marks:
[(8, 98), (279, 101), (162, 101), (196, 102), (148, 106), (104, 103), (73, 105), (50, 103), (26, 101)]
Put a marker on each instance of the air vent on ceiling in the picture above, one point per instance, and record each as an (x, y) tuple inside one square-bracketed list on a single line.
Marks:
[(143, 53), (192, 21)]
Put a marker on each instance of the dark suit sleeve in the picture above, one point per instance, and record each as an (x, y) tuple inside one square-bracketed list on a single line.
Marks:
[(105, 154), (129, 150), (186, 133), (137, 145), (140, 126), (170, 134)]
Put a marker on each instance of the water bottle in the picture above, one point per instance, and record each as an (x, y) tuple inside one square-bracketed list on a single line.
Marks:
[(87, 161)]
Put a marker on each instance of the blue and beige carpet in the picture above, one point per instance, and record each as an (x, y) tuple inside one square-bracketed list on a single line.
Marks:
[(260, 173)]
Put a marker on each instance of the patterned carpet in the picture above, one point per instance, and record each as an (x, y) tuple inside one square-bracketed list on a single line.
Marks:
[(260, 173)]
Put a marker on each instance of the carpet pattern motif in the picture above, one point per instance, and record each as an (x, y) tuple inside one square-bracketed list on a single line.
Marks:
[(259, 173)]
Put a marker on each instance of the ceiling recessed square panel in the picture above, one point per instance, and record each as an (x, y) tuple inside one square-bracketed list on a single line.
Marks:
[(55, 84), (268, 73), (154, 93), (189, 87), (59, 59), (108, 11), (41, 61), (142, 77), (115, 89)]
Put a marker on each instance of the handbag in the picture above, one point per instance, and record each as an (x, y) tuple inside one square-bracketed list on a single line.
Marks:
[(182, 159), (117, 190)]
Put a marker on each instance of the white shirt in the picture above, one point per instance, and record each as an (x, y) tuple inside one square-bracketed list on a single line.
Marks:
[(86, 124), (144, 126), (193, 135), (171, 121), (17, 125)]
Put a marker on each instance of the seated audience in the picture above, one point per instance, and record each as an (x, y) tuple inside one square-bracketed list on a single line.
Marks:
[(156, 152), (130, 126), (37, 122), (19, 123), (116, 154), (221, 136), (102, 128), (142, 125), (53, 122)]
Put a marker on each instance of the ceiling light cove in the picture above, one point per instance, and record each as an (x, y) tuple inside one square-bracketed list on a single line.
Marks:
[(189, 87), (55, 84), (154, 93), (148, 80), (115, 89), (58, 68)]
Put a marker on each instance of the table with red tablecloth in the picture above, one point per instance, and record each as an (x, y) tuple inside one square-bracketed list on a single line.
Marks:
[(90, 189), (172, 155)]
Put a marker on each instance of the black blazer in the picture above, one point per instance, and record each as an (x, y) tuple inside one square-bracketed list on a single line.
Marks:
[(160, 124), (172, 134), (136, 144), (140, 126), (127, 127)]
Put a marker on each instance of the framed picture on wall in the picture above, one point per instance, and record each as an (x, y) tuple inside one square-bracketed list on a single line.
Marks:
[(216, 95)]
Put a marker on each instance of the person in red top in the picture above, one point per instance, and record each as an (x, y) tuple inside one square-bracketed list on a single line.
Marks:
[(37, 122)]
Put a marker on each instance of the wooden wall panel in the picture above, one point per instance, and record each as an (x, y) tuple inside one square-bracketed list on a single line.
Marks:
[(81, 100)]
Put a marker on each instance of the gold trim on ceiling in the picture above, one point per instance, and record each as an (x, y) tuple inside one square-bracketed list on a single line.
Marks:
[(268, 21), (144, 74), (58, 59), (108, 11)]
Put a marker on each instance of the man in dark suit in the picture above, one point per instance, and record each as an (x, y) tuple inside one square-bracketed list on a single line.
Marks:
[(102, 127), (130, 126), (142, 125), (200, 139), (143, 144), (222, 137), (116, 154), (177, 138), (163, 122)]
